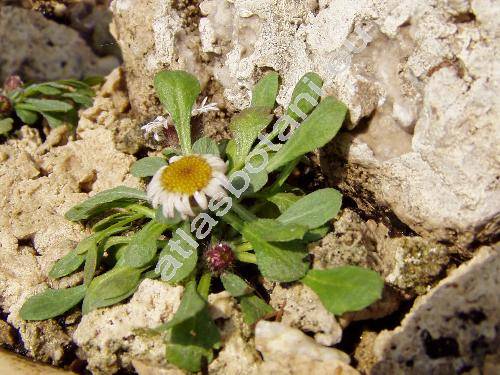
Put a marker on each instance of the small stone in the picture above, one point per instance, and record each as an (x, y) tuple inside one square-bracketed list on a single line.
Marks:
[(277, 341)]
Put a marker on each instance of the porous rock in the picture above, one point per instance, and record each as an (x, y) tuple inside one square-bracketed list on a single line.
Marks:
[(287, 350), (39, 49), (111, 338), (452, 329), (302, 309)]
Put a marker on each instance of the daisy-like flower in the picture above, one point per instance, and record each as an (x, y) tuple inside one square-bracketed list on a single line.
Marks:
[(156, 127), (204, 107), (187, 180)]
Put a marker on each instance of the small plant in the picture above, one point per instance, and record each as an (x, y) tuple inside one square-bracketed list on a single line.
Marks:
[(57, 102), (209, 209)]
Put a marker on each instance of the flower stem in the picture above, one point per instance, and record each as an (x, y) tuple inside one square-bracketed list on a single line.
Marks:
[(204, 284), (246, 246), (146, 211), (246, 257)]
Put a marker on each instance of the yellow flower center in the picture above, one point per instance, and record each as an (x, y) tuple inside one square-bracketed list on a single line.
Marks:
[(187, 175)]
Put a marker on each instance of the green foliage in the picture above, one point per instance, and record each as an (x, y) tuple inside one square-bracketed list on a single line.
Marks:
[(111, 288), (246, 126), (265, 91), (316, 131), (206, 145), (5, 125), (178, 91), (346, 288), (57, 102), (269, 225), (105, 200), (254, 308), (314, 209), (235, 284), (147, 167), (51, 303)]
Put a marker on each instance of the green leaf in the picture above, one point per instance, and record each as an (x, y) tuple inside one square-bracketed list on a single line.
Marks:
[(51, 303), (147, 167), (79, 98), (56, 119), (41, 88), (206, 145), (283, 200), (142, 247), (111, 287), (273, 230), (48, 105), (246, 126), (178, 90), (90, 267), (265, 91), (26, 116), (93, 80), (316, 234), (191, 342), (257, 181), (187, 264), (108, 221), (316, 131), (191, 304), (235, 285), (67, 264), (279, 261), (6, 125), (301, 89), (347, 288), (314, 209), (254, 308), (104, 200)]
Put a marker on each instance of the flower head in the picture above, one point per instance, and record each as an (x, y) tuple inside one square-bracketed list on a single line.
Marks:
[(12, 83), (156, 127), (219, 257), (187, 180), (204, 107)]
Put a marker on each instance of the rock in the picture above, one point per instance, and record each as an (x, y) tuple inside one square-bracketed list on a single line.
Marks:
[(302, 309), (238, 354), (277, 340), (39, 49), (13, 364), (408, 263), (364, 356), (6, 334), (110, 338), (420, 77), (287, 350), (452, 329), (111, 110)]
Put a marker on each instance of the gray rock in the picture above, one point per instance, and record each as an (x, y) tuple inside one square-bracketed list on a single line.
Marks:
[(39, 49), (421, 77), (452, 329)]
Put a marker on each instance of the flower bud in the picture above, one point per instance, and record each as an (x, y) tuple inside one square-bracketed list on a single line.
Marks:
[(5, 105), (12, 82), (219, 257)]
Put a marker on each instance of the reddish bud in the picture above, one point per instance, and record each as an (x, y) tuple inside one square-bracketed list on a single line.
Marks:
[(12, 82), (219, 257), (5, 105)]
